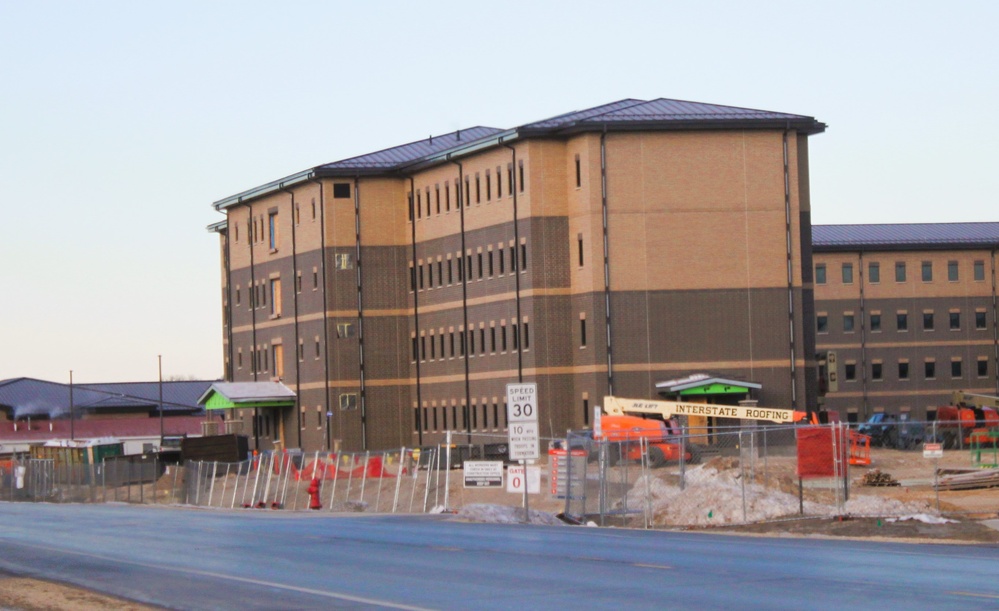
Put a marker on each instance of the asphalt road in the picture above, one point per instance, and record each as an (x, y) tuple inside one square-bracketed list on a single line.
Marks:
[(196, 559)]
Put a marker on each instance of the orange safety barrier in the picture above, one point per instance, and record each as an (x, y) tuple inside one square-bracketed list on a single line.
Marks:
[(330, 468), (860, 448)]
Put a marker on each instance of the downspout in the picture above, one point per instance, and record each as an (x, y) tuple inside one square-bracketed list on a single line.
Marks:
[(863, 336), (360, 311), (607, 286), (995, 325), (516, 275), (416, 311), (294, 292), (253, 325), (790, 273), (326, 334), (464, 300), (228, 284)]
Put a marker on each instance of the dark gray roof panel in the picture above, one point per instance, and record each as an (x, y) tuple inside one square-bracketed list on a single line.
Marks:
[(28, 397), (905, 236), (413, 151), (570, 118)]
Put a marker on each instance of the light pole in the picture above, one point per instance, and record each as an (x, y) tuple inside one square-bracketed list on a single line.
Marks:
[(72, 432), (159, 358)]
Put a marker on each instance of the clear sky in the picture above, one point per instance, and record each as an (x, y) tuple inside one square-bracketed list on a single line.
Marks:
[(121, 122)]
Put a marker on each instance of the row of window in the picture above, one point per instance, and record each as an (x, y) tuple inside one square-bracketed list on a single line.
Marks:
[(438, 345), (424, 203), (479, 417), (259, 362), (269, 291), (257, 224), (901, 321), (874, 272), (448, 270), (929, 369)]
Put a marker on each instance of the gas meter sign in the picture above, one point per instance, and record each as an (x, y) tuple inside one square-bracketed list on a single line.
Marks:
[(522, 402)]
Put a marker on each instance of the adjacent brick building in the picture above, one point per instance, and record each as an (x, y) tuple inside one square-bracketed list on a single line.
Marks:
[(596, 252), (908, 312)]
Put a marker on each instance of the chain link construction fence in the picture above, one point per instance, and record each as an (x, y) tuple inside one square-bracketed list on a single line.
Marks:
[(701, 477)]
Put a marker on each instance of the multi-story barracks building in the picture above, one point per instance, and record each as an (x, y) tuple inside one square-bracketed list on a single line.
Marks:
[(905, 315), (596, 252)]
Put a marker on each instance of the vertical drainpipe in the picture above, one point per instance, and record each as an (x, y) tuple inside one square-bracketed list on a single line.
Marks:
[(416, 310), (995, 325), (253, 322), (516, 275), (464, 298), (294, 293), (228, 284), (790, 272), (360, 312), (607, 287), (325, 305), (863, 335)]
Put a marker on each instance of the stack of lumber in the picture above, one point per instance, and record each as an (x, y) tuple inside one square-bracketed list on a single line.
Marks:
[(967, 479), (878, 478)]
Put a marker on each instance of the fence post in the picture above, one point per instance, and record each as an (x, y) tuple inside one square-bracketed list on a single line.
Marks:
[(742, 472), (398, 478)]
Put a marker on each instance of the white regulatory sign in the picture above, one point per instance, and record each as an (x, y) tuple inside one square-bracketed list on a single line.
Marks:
[(522, 402), (932, 450), (515, 479), (524, 443), (483, 473)]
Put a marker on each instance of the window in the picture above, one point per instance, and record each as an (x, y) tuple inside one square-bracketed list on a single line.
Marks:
[(437, 197), (275, 288), (450, 271), (848, 323), (277, 359), (272, 229), (876, 371), (582, 332), (579, 181), (490, 257), (482, 341), (420, 276), (874, 272), (927, 271), (238, 293), (515, 336), (875, 322), (298, 282), (343, 261), (447, 197), (900, 272), (502, 260), (930, 370), (489, 187), (903, 370), (928, 321), (509, 179), (433, 347), (902, 321), (298, 214), (499, 182), (579, 245), (317, 347), (979, 318), (503, 338), (850, 371), (440, 273), (492, 339), (301, 349), (423, 347), (478, 191), (428, 202), (820, 273), (313, 209), (983, 367), (979, 268), (479, 257), (822, 323), (341, 190), (348, 401), (952, 273), (344, 330), (848, 273), (520, 175), (416, 348), (315, 279), (430, 275), (468, 191), (955, 321), (955, 368), (523, 257), (412, 277)]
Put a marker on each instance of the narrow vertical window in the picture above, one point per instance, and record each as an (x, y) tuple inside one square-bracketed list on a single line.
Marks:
[(579, 178), (479, 257), (520, 177), (419, 206), (490, 264), (447, 197), (503, 338), (428, 202), (952, 271), (478, 190), (489, 187), (900, 271), (437, 197), (272, 229), (582, 332), (523, 257), (579, 245), (527, 336), (979, 268)]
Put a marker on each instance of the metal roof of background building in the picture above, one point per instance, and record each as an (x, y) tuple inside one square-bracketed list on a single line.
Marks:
[(905, 236), (28, 397), (412, 152)]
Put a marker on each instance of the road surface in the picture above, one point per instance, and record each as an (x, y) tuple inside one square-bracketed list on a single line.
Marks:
[(261, 559)]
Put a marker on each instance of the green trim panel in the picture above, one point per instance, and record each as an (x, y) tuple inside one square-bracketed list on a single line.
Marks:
[(715, 389)]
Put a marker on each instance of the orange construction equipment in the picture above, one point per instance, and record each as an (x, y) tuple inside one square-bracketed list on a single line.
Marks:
[(860, 448)]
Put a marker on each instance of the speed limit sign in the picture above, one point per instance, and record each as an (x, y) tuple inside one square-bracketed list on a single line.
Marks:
[(522, 416)]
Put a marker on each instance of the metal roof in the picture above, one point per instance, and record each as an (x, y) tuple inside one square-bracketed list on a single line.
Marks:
[(28, 397), (242, 392), (702, 379), (627, 114), (905, 236)]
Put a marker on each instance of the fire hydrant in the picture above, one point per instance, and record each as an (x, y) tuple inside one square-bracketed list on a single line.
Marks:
[(314, 494)]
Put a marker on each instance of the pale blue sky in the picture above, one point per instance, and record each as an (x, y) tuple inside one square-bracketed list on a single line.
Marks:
[(121, 122)]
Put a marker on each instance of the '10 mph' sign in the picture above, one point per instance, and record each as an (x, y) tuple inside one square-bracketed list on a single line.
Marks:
[(522, 416)]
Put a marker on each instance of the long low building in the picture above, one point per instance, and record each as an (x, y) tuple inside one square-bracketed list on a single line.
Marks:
[(597, 252), (905, 315)]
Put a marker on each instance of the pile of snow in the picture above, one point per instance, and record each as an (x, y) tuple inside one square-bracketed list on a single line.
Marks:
[(504, 514), (923, 517), (713, 497)]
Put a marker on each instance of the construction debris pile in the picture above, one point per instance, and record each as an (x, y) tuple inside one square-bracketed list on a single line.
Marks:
[(878, 478), (967, 479)]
